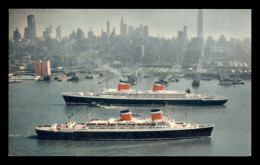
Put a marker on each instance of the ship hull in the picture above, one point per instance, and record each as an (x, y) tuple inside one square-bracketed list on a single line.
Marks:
[(74, 100), (125, 135)]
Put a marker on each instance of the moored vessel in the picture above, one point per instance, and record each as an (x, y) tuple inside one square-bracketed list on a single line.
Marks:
[(125, 128)]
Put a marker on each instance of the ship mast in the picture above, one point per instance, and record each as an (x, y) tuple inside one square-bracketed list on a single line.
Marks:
[(106, 80), (69, 124), (186, 116), (88, 113), (165, 107)]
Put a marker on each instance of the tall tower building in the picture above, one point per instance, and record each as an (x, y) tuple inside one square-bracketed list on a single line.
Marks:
[(123, 28), (102, 31), (185, 38), (200, 24), (46, 33), (91, 36), (114, 30), (80, 35), (181, 42), (17, 35), (26, 33), (31, 26), (130, 30), (200, 31), (108, 27), (145, 32), (185, 31), (142, 54), (50, 30), (58, 33), (113, 33)]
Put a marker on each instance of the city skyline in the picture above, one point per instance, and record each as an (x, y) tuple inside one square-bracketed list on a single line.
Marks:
[(234, 23)]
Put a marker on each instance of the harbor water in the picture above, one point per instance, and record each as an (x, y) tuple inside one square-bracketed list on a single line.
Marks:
[(33, 103)]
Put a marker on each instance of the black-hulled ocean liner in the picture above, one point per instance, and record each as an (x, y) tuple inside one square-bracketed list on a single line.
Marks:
[(126, 96), (125, 128)]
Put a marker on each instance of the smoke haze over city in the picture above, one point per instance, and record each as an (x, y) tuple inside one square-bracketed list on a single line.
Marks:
[(191, 39), (165, 23)]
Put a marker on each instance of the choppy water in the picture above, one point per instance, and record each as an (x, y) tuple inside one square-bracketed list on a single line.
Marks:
[(34, 103)]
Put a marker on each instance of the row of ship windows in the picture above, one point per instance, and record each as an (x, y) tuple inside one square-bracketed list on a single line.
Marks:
[(128, 127), (151, 96)]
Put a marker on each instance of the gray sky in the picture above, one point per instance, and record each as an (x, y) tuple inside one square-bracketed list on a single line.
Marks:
[(234, 23)]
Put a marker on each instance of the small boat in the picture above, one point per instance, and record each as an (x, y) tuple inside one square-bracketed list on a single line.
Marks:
[(14, 81), (205, 78), (188, 90), (146, 76), (225, 83), (237, 81), (95, 104), (40, 79)]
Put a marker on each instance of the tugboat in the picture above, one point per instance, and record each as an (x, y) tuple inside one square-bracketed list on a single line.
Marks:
[(237, 81), (125, 128)]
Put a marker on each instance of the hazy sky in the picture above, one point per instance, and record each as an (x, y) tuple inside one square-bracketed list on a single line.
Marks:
[(234, 23)]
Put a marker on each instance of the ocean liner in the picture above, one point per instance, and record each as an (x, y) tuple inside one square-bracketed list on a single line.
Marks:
[(125, 128), (126, 96)]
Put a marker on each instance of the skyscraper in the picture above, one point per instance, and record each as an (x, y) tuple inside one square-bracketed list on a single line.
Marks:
[(26, 33), (17, 35), (210, 42), (80, 35), (108, 27), (114, 30), (123, 28), (91, 36), (185, 32), (130, 30), (200, 24), (113, 33), (145, 32), (50, 30), (58, 33), (181, 42), (200, 31), (46, 33), (31, 26)]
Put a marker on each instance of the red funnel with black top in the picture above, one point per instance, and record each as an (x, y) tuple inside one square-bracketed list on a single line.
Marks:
[(156, 114), (126, 115)]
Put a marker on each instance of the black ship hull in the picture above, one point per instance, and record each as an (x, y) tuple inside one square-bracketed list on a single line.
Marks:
[(74, 100), (125, 135)]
